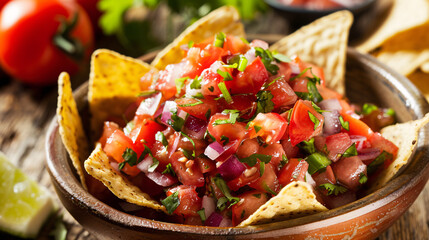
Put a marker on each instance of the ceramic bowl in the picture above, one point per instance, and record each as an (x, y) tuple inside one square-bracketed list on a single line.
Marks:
[(366, 218)]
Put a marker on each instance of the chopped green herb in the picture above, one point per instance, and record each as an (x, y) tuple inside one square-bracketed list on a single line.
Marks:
[(257, 128), (129, 127), (190, 44), (221, 184), (351, 151), (171, 202), (211, 88), (129, 157), (252, 159), (196, 83), (344, 124), (242, 64), (192, 104), (226, 75), (208, 114), (267, 59), (299, 75), (363, 178), (190, 140), (220, 39), (315, 79), (146, 93), (202, 214), (368, 108), (284, 161), (282, 58), (269, 190), (180, 82), (264, 102), (333, 189), (390, 112), (317, 162), (160, 137), (225, 93), (169, 169), (312, 94), (317, 108), (176, 122), (308, 146), (257, 195), (261, 168), (154, 165), (224, 139), (314, 119), (233, 115), (378, 161), (211, 136)]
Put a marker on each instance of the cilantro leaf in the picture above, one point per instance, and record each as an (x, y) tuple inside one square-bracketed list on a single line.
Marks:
[(378, 161), (160, 137), (233, 115), (363, 178), (221, 184), (252, 159), (344, 124), (169, 169), (314, 119), (368, 108), (196, 83), (333, 189), (171, 202), (308, 146), (129, 157), (317, 162), (351, 151), (267, 59), (264, 102), (176, 122)]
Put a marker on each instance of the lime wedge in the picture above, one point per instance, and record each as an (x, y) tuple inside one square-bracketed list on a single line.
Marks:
[(24, 205)]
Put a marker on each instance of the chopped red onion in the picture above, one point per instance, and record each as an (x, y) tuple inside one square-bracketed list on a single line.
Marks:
[(231, 168), (214, 150), (159, 111), (359, 141), (332, 123), (195, 127), (367, 154), (214, 220), (164, 180), (208, 204), (149, 105), (169, 108), (226, 222), (330, 105), (259, 43), (250, 55)]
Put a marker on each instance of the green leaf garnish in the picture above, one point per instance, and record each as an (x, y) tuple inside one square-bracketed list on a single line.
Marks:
[(225, 92), (333, 189), (264, 102), (233, 115), (267, 59), (180, 82), (308, 146), (378, 161), (344, 124), (171, 202), (252, 159), (314, 119), (221, 184), (169, 169), (282, 58), (351, 151), (317, 162), (368, 108), (220, 39), (159, 136), (226, 75)]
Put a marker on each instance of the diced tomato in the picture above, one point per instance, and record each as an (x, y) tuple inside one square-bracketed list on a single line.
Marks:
[(236, 131), (247, 148), (108, 129), (248, 204), (246, 104), (348, 171), (356, 126), (268, 181), (250, 80), (294, 170), (334, 145), (230, 149), (274, 150), (312, 70), (147, 79), (378, 141), (325, 177), (378, 119), (291, 151), (166, 81), (160, 153), (190, 203), (206, 165), (299, 85), (249, 175), (186, 170), (328, 93), (144, 132), (116, 145), (301, 126), (212, 187), (283, 94), (198, 59), (207, 107), (211, 79), (234, 45), (268, 126)]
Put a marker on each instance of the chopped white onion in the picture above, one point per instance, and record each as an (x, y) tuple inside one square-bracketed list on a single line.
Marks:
[(214, 150), (149, 105), (208, 204), (330, 105), (309, 179), (295, 68), (332, 123), (250, 55)]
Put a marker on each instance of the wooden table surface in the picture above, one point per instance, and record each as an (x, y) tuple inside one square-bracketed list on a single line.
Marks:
[(25, 114)]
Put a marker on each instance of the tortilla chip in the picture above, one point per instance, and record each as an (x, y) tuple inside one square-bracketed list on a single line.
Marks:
[(70, 126), (405, 136), (403, 15), (407, 50), (421, 80), (324, 43), (425, 67), (294, 200), (98, 166), (114, 83), (224, 19)]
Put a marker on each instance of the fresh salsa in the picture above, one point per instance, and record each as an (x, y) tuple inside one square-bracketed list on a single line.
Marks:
[(218, 134), (321, 4)]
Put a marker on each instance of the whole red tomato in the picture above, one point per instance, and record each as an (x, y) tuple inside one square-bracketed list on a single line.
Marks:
[(41, 38)]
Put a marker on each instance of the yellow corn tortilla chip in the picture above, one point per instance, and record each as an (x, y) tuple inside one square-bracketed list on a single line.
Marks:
[(98, 166), (114, 83), (407, 50), (421, 80), (324, 43), (224, 19), (294, 200), (70, 126), (405, 136), (403, 15)]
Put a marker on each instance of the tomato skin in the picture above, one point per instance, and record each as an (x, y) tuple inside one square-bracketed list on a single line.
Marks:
[(200, 110), (198, 59), (187, 173), (274, 150), (40, 62), (249, 203), (250, 80), (271, 126), (108, 129), (268, 181), (294, 170), (190, 203), (348, 171), (236, 131), (301, 127), (356, 126), (283, 94), (144, 133)]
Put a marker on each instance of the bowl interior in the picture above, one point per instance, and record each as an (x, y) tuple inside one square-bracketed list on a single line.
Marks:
[(366, 81)]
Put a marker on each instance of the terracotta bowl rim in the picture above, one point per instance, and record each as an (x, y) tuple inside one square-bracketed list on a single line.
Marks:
[(67, 183)]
